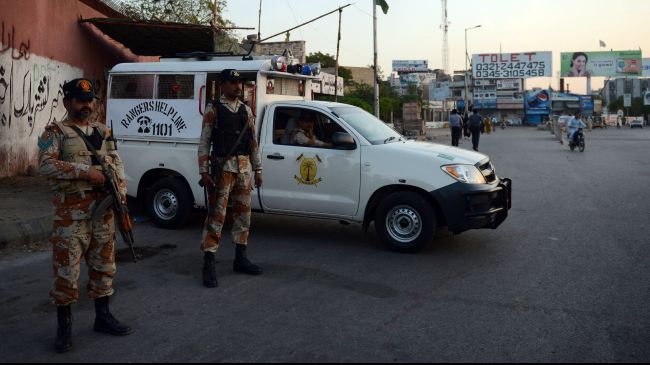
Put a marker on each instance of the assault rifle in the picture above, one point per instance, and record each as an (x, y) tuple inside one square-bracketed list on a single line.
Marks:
[(125, 224)]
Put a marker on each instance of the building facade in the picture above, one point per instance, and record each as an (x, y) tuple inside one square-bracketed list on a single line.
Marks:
[(42, 46)]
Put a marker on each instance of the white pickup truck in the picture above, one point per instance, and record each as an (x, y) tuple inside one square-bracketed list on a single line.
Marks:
[(370, 172)]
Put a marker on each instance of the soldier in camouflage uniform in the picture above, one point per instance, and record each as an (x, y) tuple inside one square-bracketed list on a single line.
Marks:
[(79, 231), (231, 176)]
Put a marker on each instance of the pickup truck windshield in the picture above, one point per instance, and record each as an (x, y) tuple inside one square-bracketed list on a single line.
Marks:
[(371, 128)]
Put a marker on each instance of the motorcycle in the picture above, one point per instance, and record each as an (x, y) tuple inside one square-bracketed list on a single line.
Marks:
[(503, 125), (578, 141)]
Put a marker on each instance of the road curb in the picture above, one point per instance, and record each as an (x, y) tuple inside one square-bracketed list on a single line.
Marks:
[(25, 231)]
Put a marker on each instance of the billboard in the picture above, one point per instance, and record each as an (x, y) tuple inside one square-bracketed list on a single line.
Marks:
[(586, 103), (440, 90), (410, 65), (646, 98), (538, 102), (509, 84), (522, 65), (606, 64), (646, 67)]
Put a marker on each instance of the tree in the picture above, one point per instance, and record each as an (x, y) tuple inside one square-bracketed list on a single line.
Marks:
[(326, 61), (176, 11), (636, 109)]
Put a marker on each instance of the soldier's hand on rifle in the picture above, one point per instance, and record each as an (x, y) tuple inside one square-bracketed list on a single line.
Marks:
[(206, 180), (95, 177)]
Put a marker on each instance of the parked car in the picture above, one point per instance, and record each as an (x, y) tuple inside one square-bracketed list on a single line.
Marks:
[(637, 123)]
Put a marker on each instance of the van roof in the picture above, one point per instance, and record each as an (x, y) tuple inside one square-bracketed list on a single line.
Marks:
[(193, 66)]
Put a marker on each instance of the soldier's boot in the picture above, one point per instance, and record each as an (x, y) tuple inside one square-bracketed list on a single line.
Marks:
[(242, 264), (105, 322), (63, 342), (209, 274)]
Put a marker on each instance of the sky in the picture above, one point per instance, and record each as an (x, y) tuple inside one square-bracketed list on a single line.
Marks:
[(411, 29)]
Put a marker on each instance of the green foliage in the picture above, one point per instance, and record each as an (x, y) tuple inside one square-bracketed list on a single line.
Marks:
[(325, 59), (177, 11), (637, 107)]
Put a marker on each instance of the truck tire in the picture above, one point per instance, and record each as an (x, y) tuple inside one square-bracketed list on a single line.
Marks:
[(405, 221), (170, 202)]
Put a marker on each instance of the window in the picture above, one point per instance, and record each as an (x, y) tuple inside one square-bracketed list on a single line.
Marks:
[(132, 86), (175, 86), (287, 128)]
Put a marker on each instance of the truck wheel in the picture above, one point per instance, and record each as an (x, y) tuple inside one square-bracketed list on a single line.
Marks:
[(405, 221), (169, 203)]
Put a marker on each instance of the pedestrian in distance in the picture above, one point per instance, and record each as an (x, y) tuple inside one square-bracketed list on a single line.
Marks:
[(80, 229), (455, 123), (228, 158), (475, 127), (466, 132)]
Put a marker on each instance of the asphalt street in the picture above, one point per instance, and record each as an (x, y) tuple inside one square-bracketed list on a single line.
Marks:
[(564, 279)]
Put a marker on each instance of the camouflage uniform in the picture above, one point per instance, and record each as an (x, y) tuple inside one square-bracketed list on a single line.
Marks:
[(234, 180), (65, 161)]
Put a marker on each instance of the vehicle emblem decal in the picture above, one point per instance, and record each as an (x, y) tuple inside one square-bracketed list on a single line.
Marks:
[(308, 170)]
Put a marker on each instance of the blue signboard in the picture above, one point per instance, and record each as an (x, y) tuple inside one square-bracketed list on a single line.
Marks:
[(586, 102), (485, 104), (460, 104), (538, 102)]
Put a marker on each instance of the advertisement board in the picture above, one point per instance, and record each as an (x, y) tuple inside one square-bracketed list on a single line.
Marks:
[(586, 102), (440, 90), (522, 65), (646, 98), (481, 104), (538, 102), (410, 65), (509, 84), (627, 100), (606, 64), (645, 63)]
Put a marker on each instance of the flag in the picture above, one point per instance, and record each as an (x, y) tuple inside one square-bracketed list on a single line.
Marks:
[(602, 44), (383, 4)]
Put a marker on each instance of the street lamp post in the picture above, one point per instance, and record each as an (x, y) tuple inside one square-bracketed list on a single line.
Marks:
[(466, 66)]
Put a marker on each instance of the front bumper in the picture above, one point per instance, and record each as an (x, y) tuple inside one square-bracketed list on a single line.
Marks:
[(473, 206)]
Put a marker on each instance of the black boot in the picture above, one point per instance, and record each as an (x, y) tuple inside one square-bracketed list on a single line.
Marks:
[(105, 322), (242, 264), (209, 274), (63, 341)]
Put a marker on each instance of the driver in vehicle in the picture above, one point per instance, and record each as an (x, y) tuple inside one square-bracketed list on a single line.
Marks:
[(304, 134)]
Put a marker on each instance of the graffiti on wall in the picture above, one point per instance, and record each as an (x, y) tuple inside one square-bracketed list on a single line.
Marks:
[(31, 97), (9, 44)]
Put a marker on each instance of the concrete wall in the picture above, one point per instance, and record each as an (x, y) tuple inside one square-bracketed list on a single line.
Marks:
[(298, 49), (41, 47)]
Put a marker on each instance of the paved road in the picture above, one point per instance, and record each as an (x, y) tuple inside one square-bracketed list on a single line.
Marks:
[(565, 278)]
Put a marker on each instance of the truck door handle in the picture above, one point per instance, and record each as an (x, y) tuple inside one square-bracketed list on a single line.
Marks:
[(275, 156)]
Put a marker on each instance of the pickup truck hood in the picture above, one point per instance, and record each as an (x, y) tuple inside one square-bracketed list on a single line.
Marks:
[(446, 154)]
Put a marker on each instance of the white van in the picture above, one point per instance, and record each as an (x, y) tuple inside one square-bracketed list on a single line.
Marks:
[(370, 172)]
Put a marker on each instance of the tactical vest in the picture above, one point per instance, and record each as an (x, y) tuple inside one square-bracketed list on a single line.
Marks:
[(74, 150), (227, 129)]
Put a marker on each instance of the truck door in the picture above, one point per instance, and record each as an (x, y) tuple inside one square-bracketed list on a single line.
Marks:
[(317, 179)]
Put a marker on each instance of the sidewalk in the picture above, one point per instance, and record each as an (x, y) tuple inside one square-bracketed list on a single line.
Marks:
[(25, 209)]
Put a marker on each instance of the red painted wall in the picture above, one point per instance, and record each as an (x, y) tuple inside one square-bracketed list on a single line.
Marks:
[(40, 40)]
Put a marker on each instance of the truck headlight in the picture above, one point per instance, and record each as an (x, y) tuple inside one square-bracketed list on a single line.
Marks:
[(465, 173)]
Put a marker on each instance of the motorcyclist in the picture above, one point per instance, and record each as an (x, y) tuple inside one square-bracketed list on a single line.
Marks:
[(572, 127)]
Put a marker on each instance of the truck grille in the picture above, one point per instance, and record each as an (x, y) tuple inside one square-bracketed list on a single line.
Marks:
[(488, 171)]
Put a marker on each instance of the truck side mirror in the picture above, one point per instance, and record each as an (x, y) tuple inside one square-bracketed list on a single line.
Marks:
[(343, 141)]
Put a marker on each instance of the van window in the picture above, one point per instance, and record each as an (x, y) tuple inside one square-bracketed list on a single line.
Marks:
[(175, 87), (132, 86)]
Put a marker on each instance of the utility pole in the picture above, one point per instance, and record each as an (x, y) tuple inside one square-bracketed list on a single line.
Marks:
[(466, 68), (259, 23), (376, 93), (215, 25), (336, 72)]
